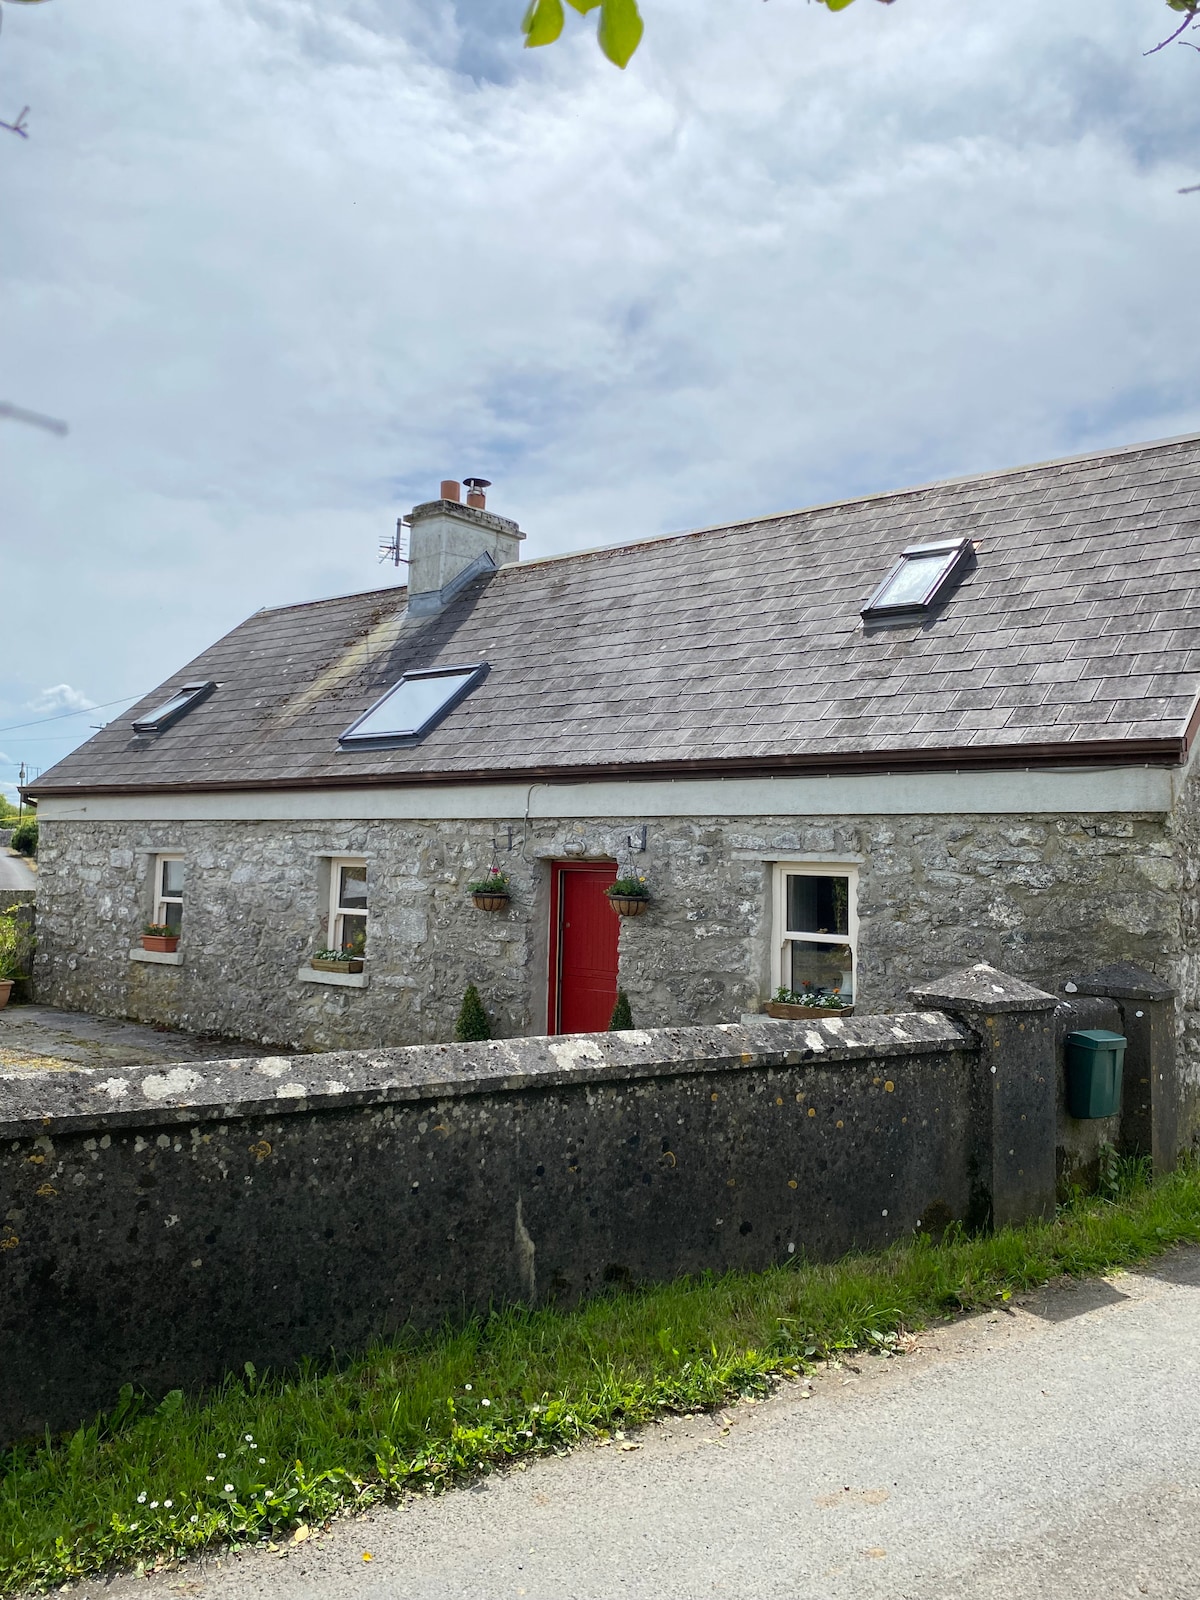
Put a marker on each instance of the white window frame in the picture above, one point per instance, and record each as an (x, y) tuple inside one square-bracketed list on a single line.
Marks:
[(782, 938), (161, 899), (336, 913)]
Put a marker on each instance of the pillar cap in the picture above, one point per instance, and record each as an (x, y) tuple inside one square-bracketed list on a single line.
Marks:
[(1121, 980), (981, 989)]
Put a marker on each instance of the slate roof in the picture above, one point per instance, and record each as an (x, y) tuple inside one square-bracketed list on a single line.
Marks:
[(739, 648)]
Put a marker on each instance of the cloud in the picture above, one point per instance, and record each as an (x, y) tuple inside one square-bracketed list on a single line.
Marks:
[(299, 261), (59, 699)]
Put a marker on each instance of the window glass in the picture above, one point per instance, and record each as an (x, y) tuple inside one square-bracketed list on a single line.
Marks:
[(352, 892), (822, 966), (818, 905), (348, 907), (171, 710), (168, 899), (816, 930), (411, 706), (914, 580)]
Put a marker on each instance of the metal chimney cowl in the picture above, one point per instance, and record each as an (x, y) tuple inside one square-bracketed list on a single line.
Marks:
[(445, 539)]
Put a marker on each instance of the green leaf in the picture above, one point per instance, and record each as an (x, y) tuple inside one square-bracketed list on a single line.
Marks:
[(838, 5), (584, 6), (543, 22), (620, 29)]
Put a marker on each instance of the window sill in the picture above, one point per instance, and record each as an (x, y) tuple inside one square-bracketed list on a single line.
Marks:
[(340, 980), (158, 958)]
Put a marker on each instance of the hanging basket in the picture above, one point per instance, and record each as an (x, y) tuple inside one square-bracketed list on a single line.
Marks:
[(491, 900), (628, 905)]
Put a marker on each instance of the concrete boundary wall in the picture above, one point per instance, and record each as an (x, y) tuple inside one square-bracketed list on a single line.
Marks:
[(165, 1225)]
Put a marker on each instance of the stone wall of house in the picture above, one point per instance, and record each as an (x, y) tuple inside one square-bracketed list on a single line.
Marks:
[(1042, 897), (1183, 970)]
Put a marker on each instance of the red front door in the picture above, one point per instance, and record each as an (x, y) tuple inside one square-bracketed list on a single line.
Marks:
[(583, 948)]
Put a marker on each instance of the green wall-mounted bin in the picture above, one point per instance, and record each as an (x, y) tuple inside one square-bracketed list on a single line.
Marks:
[(1095, 1065)]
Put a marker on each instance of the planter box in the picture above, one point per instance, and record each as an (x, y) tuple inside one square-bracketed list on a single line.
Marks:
[(628, 905), (351, 964), (491, 901), (6, 986), (787, 1013), (152, 941)]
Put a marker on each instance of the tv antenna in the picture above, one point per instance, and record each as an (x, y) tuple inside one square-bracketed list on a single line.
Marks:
[(391, 549)]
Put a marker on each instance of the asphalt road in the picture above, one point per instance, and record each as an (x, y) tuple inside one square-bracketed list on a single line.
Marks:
[(16, 873), (1052, 1450)]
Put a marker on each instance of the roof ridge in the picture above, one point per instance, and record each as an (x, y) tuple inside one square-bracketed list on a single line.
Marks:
[(855, 500), (327, 599)]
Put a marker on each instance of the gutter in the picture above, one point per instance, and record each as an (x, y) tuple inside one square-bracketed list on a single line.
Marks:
[(1084, 753)]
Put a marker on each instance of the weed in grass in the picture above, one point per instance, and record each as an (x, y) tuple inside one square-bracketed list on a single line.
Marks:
[(264, 1454)]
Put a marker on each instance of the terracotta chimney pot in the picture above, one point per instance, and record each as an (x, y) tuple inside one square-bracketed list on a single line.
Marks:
[(452, 490), (476, 498)]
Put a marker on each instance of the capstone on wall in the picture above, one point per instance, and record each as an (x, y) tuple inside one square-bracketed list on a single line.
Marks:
[(1042, 897)]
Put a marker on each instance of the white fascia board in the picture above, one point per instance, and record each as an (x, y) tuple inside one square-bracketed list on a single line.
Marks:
[(1022, 793)]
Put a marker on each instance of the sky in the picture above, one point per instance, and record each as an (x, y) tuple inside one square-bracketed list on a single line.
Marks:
[(284, 265)]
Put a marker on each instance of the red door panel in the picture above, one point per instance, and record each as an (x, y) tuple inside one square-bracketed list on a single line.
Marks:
[(583, 949)]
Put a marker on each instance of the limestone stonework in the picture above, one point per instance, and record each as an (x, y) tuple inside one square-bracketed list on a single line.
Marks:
[(1042, 897)]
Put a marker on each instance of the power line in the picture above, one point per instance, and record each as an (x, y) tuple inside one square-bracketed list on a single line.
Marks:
[(58, 716)]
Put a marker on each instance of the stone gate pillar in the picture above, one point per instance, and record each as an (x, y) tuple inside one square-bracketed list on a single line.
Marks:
[(1150, 1092), (1014, 1094)]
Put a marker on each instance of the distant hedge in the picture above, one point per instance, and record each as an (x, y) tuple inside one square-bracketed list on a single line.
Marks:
[(24, 837)]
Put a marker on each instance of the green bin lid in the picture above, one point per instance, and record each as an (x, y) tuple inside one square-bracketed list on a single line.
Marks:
[(1095, 1037)]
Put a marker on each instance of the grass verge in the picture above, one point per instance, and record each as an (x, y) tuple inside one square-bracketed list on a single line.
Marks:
[(264, 1454)]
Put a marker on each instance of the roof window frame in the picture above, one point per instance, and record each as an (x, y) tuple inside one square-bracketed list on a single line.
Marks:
[(472, 673), (942, 584), (162, 718)]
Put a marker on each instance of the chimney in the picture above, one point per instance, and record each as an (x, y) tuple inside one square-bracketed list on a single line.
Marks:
[(450, 544)]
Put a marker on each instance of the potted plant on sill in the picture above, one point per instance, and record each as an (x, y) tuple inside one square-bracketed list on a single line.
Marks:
[(491, 893), (793, 1006), (158, 936), (336, 961), (629, 896)]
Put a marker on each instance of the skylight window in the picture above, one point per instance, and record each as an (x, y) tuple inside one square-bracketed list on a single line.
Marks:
[(413, 706), (171, 710), (924, 574)]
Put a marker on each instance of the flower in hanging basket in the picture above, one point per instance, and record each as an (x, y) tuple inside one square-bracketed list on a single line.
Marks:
[(159, 936), (629, 896), (491, 893)]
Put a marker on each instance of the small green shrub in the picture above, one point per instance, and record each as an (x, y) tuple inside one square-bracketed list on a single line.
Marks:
[(622, 1016), (25, 835), (16, 944), (472, 1019)]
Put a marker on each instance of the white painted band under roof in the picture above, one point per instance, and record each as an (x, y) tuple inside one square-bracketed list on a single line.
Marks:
[(1089, 791)]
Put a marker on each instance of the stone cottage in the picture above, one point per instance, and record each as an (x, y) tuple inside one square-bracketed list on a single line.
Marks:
[(851, 746)]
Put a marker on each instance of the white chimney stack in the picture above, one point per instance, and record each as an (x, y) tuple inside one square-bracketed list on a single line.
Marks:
[(451, 543)]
